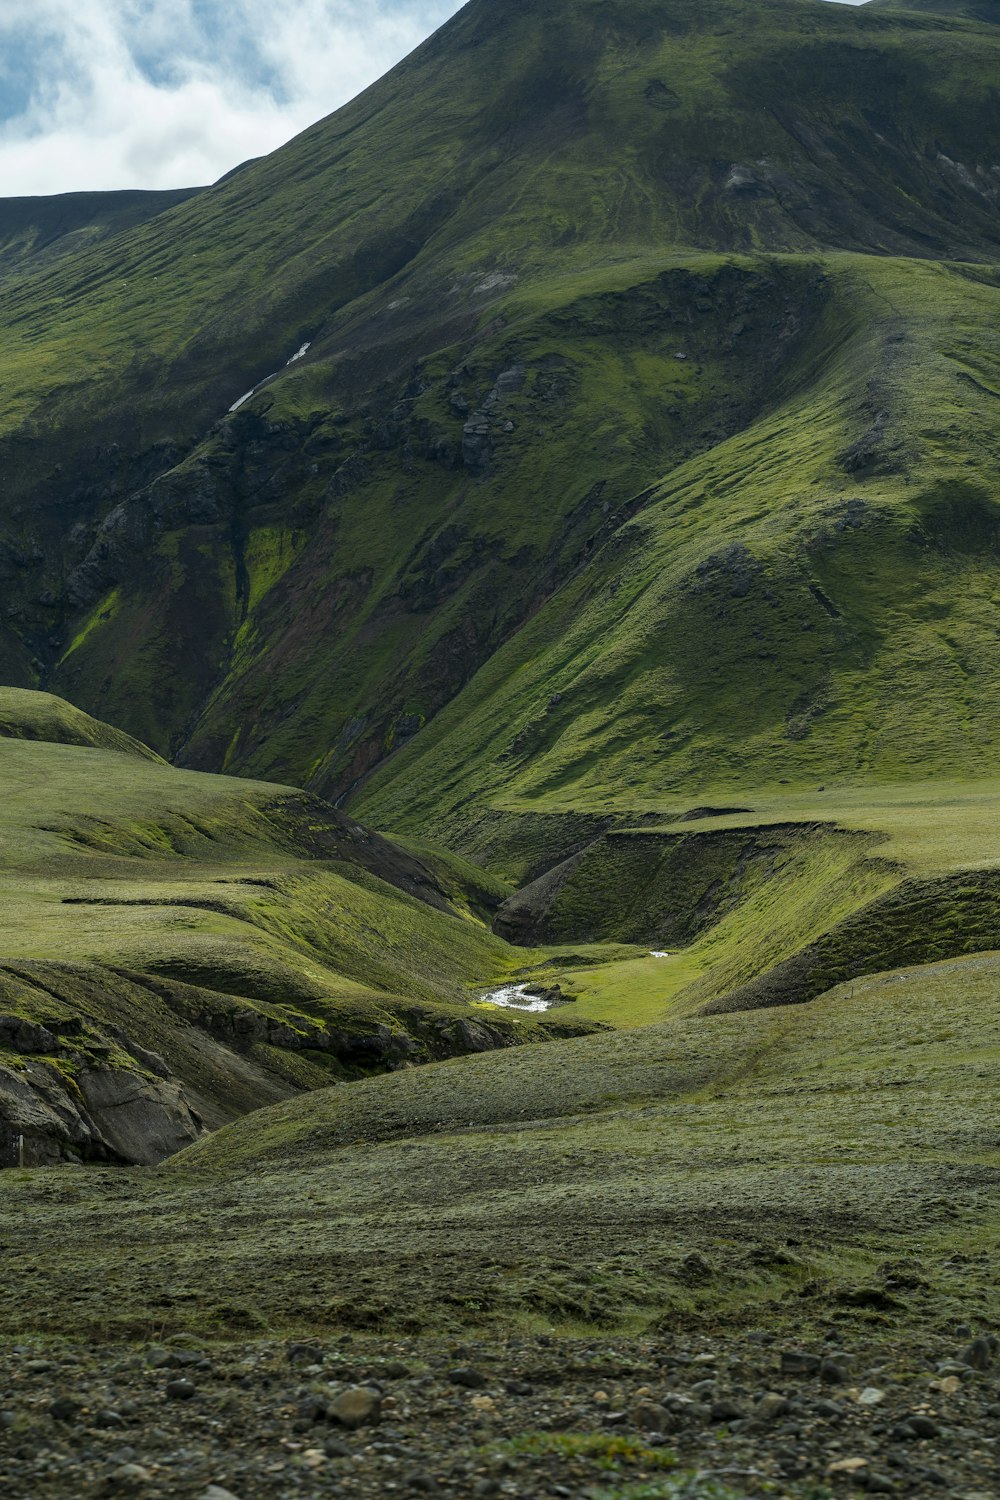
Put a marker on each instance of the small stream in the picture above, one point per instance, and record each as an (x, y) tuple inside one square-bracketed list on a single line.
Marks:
[(516, 997)]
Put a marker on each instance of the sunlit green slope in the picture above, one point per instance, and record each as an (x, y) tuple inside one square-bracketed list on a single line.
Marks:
[(645, 435), (813, 599)]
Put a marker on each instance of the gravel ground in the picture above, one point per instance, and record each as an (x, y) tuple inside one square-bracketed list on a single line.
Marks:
[(521, 1417)]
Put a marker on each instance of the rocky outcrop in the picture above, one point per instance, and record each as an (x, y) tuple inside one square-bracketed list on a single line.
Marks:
[(104, 1114), (477, 433), (138, 1118)]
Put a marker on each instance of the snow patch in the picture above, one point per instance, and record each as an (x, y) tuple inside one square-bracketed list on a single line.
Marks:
[(297, 355), (496, 281)]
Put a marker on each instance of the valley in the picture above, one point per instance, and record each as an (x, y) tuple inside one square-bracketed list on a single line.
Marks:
[(499, 782)]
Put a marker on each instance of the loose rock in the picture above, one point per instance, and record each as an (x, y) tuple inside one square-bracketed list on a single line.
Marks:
[(180, 1390), (978, 1355), (356, 1406)]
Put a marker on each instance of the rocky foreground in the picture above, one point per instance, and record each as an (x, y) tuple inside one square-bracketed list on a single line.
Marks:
[(661, 1416)]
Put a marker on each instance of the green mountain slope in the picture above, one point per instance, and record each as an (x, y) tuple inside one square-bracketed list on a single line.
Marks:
[(640, 360), (812, 599), (578, 459), (973, 10)]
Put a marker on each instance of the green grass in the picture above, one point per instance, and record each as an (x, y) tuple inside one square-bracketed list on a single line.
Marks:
[(733, 546), (765, 905), (617, 1454), (800, 1166), (832, 1164), (216, 883), (256, 941), (625, 991), (26, 715), (860, 603), (37, 230), (141, 864)]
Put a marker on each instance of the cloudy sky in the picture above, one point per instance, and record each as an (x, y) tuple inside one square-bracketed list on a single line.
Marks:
[(173, 93)]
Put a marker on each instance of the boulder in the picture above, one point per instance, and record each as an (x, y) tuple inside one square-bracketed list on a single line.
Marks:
[(26, 1037), (141, 1119), (104, 1113)]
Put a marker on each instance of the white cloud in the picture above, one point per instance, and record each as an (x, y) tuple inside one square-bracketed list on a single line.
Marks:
[(173, 93)]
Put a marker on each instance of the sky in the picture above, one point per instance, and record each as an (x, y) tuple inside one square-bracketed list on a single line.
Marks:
[(174, 93)]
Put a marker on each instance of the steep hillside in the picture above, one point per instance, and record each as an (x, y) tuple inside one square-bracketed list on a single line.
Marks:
[(812, 599), (619, 351)]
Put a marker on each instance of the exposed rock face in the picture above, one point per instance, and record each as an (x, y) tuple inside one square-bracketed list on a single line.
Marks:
[(78, 1090), (19, 1035), (107, 1114), (477, 448), (140, 1119), (477, 442)]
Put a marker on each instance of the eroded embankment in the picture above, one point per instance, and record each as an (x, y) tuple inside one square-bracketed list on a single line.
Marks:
[(917, 922), (116, 1065), (775, 913)]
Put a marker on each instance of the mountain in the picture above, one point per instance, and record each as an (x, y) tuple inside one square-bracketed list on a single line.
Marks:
[(577, 460), (579, 456), (605, 355)]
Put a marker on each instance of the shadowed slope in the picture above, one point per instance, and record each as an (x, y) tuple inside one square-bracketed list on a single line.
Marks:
[(39, 231)]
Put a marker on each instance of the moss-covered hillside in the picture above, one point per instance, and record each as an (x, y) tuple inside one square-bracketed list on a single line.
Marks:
[(177, 948), (40, 231), (27, 715), (576, 460), (828, 1167), (624, 423)]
